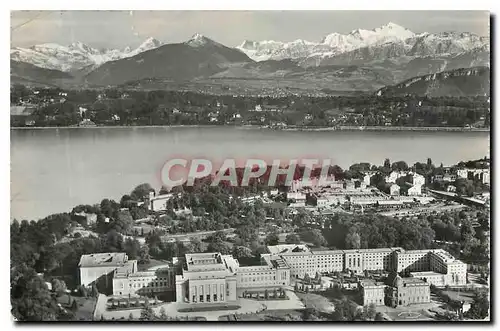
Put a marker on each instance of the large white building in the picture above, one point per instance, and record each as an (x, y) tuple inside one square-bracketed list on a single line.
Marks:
[(213, 277), (437, 266), (101, 266), (206, 277), (303, 261)]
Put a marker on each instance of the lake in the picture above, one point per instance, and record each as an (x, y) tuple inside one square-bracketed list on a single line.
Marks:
[(53, 170)]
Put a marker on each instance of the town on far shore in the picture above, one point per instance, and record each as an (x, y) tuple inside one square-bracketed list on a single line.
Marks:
[(390, 242), (55, 107)]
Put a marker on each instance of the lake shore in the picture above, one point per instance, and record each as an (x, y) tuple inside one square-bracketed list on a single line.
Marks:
[(319, 129)]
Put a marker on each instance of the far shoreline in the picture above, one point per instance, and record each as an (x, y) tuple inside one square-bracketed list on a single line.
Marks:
[(308, 129)]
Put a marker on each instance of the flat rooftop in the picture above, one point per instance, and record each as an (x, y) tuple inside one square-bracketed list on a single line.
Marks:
[(412, 280), (288, 248), (204, 261), (370, 282), (425, 273), (102, 260)]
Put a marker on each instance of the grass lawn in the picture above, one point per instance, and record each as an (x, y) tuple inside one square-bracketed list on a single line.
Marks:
[(316, 301), (460, 296), (85, 309)]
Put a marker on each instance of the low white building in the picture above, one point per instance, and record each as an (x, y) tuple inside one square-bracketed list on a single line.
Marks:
[(418, 179), (159, 202), (395, 175), (366, 180), (394, 189), (297, 196), (415, 190)]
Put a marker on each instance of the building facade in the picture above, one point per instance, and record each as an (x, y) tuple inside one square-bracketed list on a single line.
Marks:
[(440, 267), (213, 277), (95, 267), (406, 291), (206, 277), (437, 266), (274, 272), (372, 292), (143, 283)]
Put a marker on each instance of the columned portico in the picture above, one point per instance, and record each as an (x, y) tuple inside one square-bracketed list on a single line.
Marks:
[(207, 278)]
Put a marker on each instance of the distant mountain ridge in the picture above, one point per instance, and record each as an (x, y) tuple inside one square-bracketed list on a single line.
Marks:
[(390, 40), (75, 56), (197, 57), (390, 58), (29, 74), (331, 45), (460, 82)]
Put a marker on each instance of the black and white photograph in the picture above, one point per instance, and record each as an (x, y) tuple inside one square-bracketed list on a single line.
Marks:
[(250, 166)]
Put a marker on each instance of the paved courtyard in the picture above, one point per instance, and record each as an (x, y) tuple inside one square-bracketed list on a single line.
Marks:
[(417, 312), (248, 306)]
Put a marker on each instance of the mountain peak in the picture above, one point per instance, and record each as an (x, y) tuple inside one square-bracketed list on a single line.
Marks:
[(150, 43), (199, 40), (392, 25), (394, 29)]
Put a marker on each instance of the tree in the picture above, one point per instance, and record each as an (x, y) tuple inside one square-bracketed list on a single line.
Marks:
[(307, 279), (242, 252), (314, 236), (369, 312), (292, 238), (353, 240), (163, 315), (220, 247), (144, 256), (141, 191), (218, 236), (345, 310), (147, 313), (123, 221), (379, 317), (400, 166), (132, 248), (58, 286), (272, 239), (387, 163), (30, 297), (480, 306)]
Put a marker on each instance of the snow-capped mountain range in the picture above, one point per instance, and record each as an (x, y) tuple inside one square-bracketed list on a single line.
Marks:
[(387, 39), (76, 56), (360, 60)]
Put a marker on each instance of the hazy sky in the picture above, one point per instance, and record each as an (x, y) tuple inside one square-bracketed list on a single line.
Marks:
[(117, 29)]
